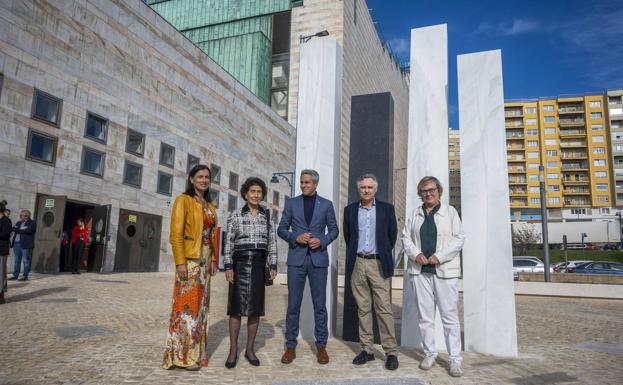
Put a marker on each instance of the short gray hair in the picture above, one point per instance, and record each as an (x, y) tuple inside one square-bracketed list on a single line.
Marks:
[(313, 173), (27, 212), (367, 176)]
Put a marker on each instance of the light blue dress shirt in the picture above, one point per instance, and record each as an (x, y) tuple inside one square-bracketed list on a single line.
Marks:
[(367, 229)]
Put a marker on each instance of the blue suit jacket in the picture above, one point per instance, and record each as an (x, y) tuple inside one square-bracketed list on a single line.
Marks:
[(323, 226), (386, 233)]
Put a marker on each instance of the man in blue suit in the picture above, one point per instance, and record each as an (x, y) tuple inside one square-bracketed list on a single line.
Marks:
[(308, 224)]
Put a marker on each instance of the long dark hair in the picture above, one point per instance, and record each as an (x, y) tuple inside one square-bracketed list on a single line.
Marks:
[(190, 189)]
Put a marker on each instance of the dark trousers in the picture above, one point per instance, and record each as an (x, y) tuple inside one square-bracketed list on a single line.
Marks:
[(76, 253), (318, 287)]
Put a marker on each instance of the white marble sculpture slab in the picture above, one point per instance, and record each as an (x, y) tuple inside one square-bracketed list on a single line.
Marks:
[(318, 148), (427, 147), (489, 300)]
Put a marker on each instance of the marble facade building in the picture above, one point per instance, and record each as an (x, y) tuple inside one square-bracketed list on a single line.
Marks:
[(155, 102)]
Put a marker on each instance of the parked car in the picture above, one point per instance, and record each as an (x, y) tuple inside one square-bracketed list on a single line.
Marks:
[(611, 246), (527, 265), (559, 267), (600, 268), (570, 268), (591, 247)]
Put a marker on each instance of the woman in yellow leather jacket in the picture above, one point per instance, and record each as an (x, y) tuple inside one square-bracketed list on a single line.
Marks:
[(193, 240)]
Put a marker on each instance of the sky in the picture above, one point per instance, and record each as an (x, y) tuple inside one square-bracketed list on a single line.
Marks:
[(549, 47)]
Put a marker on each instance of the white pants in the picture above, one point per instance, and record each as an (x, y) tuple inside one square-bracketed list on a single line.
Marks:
[(431, 292)]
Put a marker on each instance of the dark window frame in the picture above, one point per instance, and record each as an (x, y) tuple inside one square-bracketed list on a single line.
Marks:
[(1, 83), (164, 146), (140, 174), (232, 198), (86, 149), (215, 195), (170, 192), (33, 108), (188, 161), (127, 143), (213, 174), (104, 125), (233, 175), (54, 147)]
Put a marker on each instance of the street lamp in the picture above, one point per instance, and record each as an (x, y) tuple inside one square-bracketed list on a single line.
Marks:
[(288, 176), (620, 229), (305, 39), (544, 221)]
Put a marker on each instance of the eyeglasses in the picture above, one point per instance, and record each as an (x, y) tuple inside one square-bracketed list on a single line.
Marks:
[(429, 191)]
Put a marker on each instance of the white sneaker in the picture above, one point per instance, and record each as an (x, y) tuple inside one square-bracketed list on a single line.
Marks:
[(456, 370), (427, 362)]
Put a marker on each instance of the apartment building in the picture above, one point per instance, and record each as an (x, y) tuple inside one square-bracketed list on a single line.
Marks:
[(569, 137), (454, 167), (615, 121)]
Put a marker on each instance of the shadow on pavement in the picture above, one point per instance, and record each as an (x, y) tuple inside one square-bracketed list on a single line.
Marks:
[(547, 378), (35, 294)]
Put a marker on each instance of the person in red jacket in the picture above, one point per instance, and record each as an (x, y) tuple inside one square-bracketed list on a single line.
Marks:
[(79, 239)]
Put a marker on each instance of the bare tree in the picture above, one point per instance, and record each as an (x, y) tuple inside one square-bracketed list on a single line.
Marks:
[(524, 238)]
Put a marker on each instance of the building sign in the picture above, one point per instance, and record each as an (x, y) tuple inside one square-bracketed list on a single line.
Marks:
[(49, 203)]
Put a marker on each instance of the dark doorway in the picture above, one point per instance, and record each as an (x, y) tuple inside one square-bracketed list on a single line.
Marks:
[(138, 242), (74, 211)]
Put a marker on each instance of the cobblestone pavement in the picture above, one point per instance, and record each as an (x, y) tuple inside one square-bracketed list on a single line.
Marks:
[(110, 329)]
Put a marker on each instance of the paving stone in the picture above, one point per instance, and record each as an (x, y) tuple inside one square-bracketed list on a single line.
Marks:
[(117, 327)]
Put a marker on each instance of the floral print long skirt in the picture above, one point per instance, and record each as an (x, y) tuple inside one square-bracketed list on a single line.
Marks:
[(188, 325)]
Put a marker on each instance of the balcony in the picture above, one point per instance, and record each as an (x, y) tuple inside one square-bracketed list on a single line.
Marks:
[(577, 191), (514, 136), (516, 170), (575, 167), (518, 203), (572, 133), (577, 202), (573, 144), (573, 155), (571, 110), (513, 113), (575, 181), (517, 181), (571, 122), (515, 148)]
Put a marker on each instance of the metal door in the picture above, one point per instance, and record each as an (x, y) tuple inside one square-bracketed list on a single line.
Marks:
[(50, 217), (99, 236), (151, 228), (138, 242)]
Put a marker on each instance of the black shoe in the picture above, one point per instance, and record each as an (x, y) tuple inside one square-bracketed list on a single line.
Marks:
[(232, 364), (23, 279), (391, 363), (254, 362), (12, 279), (362, 358)]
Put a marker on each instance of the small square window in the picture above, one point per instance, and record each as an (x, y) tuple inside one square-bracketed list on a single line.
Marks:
[(41, 147), (276, 198), (214, 197), (132, 174), (215, 171), (233, 181), (165, 183), (167, 155), (232, 202), (135, 143), (192, 162), (46, 108), (92, 162), (96, 128)]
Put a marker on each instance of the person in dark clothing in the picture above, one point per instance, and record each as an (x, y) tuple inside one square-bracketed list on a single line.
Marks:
[(5, 236), (23, 242)]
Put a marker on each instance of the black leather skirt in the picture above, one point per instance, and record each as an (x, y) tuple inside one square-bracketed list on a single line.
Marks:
[(246, 294)]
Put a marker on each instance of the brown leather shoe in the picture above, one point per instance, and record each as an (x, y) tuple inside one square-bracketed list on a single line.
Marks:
[(323, 356), (288, 356)]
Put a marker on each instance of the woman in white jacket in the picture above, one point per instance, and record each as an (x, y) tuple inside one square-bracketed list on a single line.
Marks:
[(433, 238)]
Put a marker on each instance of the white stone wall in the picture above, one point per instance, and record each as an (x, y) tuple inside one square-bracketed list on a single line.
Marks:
[(367, 68), (122, 61)]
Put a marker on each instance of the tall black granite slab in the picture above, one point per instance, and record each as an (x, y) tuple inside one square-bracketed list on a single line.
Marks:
[(371, 151)]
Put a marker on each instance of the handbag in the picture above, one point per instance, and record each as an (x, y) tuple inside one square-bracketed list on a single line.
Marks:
[(268, 281)]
